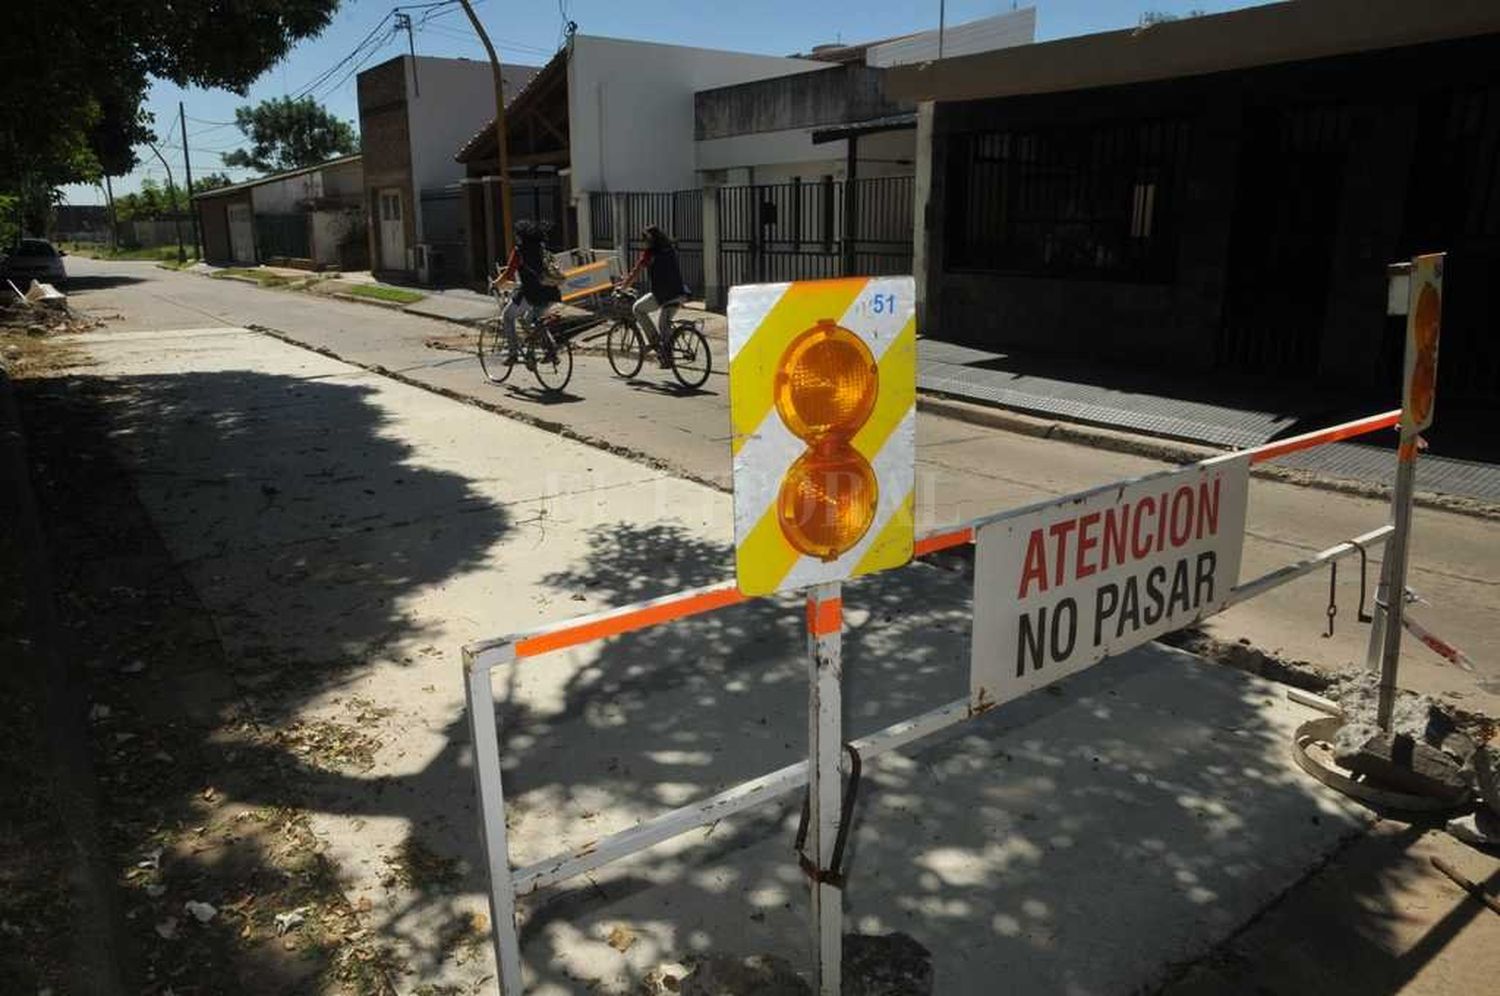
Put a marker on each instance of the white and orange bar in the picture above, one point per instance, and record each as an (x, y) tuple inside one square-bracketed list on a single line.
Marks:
[(481, 659), (696, 601)]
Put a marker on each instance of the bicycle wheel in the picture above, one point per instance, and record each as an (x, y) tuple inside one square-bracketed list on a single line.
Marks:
[(550, 361), (691, 359), (626, 350), (496, 359)]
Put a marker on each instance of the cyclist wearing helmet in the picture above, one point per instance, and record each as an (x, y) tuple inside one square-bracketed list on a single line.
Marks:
[(668, 290)]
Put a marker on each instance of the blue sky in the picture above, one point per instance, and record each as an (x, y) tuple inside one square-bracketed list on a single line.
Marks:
[(529, 33)]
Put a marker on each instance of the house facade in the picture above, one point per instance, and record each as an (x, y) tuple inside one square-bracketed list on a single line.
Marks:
[(762, 167), (604, 114), (413, 112), (1219, 193), (312, 217), (810, 126)]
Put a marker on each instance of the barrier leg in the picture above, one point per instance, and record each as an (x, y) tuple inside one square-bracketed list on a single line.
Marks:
[(485, 737), (1394, 573), (825, 735), (1377, 616)]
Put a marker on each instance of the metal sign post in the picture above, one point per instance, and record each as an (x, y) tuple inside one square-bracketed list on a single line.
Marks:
[(825, 827), (1423, 322)]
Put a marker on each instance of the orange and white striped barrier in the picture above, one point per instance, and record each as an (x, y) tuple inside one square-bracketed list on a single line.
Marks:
[(827, 752)]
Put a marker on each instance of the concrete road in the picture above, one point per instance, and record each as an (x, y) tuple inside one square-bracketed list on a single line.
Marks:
[(348, 533), (964, 470)]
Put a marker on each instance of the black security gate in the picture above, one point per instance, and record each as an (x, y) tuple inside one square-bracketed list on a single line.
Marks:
[(602, 221), (807, 230), (443, 233), (1453, 204), (1281, 244), (281, 236)]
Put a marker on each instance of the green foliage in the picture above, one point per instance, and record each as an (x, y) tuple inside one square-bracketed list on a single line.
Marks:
[(289, 134), (154, 200), (212, 181), (380, 292), (75, 75)]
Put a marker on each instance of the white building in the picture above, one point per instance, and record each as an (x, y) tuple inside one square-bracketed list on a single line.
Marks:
[(839, 124), (605, 114)]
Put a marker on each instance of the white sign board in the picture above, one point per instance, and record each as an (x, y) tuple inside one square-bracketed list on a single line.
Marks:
[(1061, 587)]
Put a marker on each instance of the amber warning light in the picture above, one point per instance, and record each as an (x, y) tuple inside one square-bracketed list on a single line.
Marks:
[(826, 387), (823, 424)]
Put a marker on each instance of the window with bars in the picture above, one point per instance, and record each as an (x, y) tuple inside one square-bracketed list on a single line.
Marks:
[(1067, 200)]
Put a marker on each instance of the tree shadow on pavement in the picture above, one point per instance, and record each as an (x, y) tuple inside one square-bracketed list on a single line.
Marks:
[(227, 547), (1155, 779), (99, 281), (1078, 840)]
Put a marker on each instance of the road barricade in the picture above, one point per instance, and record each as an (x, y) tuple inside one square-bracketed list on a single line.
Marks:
[(1059, 586)]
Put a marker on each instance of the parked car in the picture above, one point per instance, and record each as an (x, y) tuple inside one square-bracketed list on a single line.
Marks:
[(34, 259)]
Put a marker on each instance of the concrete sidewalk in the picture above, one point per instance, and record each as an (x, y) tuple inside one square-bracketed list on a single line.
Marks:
[(355, 531), (455, 304)]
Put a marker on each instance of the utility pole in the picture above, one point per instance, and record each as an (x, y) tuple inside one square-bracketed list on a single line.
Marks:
[(114, 226), (172, 186), (187, 166), (403, 21), (942, 19), (504, 162)]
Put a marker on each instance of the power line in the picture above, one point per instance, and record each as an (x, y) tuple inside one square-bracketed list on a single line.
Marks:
[(354, 54), (360, 64), (459, 35)]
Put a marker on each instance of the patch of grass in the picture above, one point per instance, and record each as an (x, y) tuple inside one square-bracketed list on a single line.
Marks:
[(162, 254), (382, 293), (261, 277)]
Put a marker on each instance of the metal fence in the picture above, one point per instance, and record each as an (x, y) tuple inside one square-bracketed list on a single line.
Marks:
[(827, 228), (602, 221), (770, 232)]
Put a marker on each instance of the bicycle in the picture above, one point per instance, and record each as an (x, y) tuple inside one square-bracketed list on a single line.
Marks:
[(685, 351), (541, 346)]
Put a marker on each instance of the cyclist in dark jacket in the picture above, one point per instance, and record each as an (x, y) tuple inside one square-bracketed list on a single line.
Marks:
[(668, 290), (528, 261)]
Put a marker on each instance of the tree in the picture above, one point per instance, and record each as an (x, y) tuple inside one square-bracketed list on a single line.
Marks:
[(212, 181), (289, 134), (78, 72), (153, 201)]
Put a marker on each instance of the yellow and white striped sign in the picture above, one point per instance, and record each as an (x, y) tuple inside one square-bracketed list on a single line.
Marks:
[(822, 401)]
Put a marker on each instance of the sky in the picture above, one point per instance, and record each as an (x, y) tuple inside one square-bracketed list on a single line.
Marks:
[(529, 33)]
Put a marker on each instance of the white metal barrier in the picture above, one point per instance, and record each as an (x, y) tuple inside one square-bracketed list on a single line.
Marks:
[(830, 757)]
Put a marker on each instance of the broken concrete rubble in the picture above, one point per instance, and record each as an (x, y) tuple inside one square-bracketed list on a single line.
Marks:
[(1486, 765), (1409, 765)]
